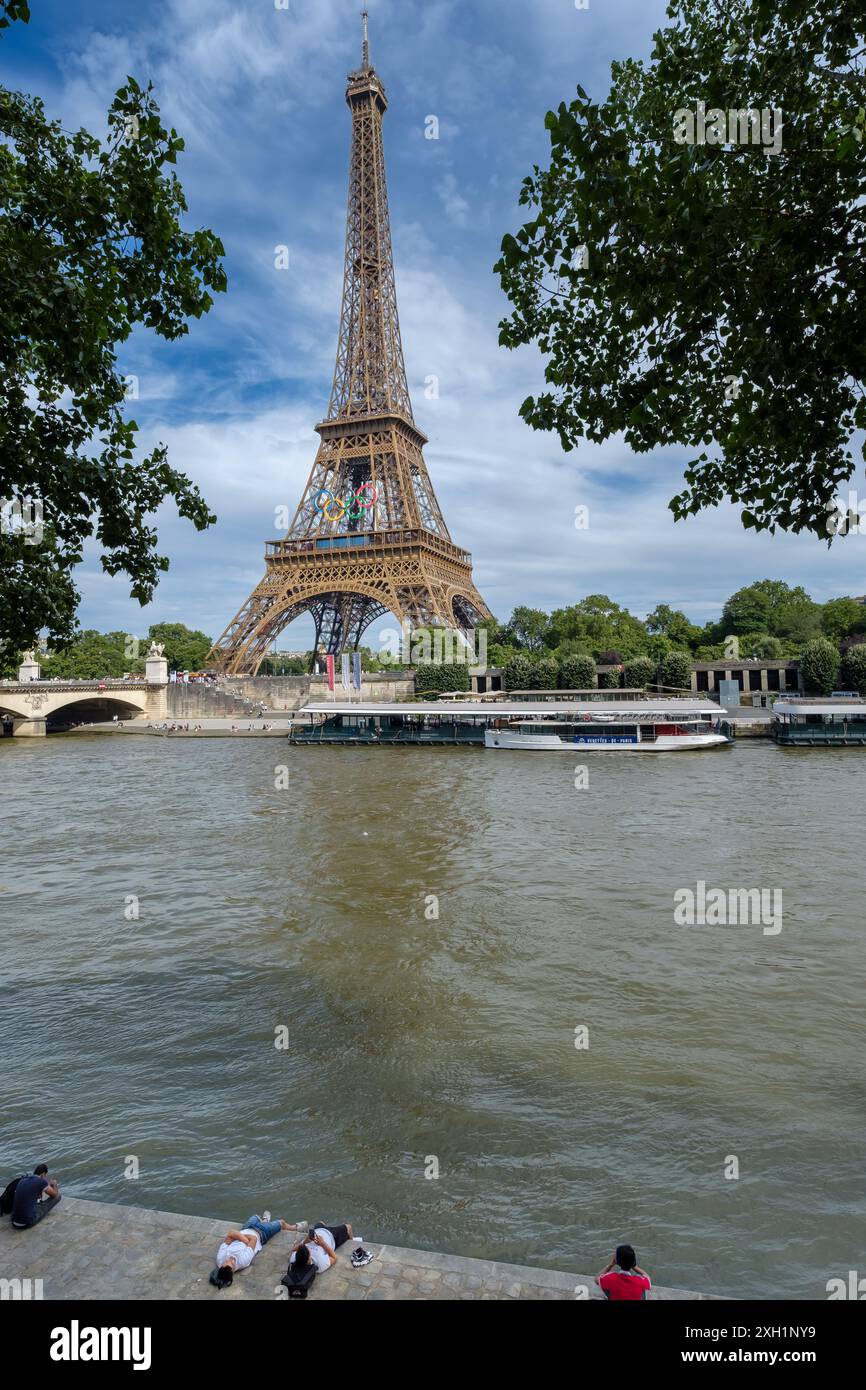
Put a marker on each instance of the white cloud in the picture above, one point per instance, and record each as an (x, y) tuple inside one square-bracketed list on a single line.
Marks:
[(456, 207)]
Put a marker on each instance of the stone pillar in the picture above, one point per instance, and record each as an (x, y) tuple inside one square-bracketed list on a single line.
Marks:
[(764, 682), (29, 670), (156, 667), (28, 728), (156, 675)]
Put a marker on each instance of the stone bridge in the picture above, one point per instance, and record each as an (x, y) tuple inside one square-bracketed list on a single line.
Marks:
[(31, 703)]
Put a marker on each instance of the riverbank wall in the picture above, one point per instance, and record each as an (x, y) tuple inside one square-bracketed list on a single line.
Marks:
[(244, 695), (97, 1250)]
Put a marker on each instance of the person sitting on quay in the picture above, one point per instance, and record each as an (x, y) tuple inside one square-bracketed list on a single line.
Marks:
[(320, 1247), (239, 1248), (622, 1279), (35, 1196)]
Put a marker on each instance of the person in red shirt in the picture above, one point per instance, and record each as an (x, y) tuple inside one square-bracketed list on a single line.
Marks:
[(622, 1279)]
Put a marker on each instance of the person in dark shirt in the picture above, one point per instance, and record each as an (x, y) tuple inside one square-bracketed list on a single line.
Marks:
[(27, 1208)]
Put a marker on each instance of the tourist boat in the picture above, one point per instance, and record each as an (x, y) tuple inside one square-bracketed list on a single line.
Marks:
[(550, 726), (628, 730), (838, 721)]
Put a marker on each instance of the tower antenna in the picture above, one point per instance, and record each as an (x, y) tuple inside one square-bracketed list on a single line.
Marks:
[(366, 46)]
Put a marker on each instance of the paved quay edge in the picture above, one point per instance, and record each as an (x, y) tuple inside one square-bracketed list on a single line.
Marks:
[(97, 1250)]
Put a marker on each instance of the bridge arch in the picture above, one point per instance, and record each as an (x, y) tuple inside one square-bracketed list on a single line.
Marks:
[(14, 705)]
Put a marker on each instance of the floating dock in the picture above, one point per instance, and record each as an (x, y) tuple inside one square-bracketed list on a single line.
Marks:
[(837, 722)]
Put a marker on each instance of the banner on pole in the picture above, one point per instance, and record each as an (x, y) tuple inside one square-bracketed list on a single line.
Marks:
[(344, 672), (329, 667), (356, 670)]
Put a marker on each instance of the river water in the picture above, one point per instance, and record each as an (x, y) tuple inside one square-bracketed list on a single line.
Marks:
[(288, 1024)]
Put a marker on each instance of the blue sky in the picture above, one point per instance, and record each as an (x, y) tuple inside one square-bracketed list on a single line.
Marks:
[(258, 94)]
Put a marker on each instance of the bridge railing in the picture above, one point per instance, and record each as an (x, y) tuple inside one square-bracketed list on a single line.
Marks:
[(16, 687)]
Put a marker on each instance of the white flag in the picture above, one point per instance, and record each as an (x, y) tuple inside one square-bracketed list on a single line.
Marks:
[(345, 680)]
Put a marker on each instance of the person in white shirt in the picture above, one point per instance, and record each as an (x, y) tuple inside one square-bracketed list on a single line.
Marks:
[(320, 1247), (239, 1248)]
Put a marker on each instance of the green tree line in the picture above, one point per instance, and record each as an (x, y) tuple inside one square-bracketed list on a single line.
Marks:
[(93, 655), (768, 619)]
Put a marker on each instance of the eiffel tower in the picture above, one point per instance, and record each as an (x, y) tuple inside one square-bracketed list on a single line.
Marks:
[(368, 536)]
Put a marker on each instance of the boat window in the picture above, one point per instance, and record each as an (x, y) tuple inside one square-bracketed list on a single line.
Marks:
[(599, 733)]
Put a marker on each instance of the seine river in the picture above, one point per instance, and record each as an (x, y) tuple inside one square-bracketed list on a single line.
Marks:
[(289, 1024)]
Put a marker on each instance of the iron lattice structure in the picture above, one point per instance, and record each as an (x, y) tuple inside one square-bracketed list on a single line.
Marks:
[(368, 536)]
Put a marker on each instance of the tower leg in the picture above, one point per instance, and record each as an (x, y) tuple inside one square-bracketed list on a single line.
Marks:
[(317, 612), (332, 628)]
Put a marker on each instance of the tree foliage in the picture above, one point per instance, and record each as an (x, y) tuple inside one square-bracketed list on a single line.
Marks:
[(289, 665), (793, 614), (185, 648), (91, 247), (770, 619), (527, 627), (854, 668), (761, 646), (94, 656), (676, 671), (437, 677), (599, 625), (842, 617), (771, 607), (709, 295), (11, 10), (544, 673), (673, 624), (639, 672), (577, 672), (819, 666), (518, 672), (748, 610)]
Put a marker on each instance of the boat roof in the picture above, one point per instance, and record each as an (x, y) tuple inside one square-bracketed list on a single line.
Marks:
[(660, 709), (819, 707)]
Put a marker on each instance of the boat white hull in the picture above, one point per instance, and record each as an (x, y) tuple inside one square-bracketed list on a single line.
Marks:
[(551, 743)]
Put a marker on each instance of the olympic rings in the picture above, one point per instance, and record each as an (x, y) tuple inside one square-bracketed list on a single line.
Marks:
[(345, 510)]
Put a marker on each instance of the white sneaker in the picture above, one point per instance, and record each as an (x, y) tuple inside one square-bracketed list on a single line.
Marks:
[(266, 1216)]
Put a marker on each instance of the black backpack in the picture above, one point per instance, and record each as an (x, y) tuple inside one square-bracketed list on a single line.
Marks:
[(299, 1282), (7, 1198)]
